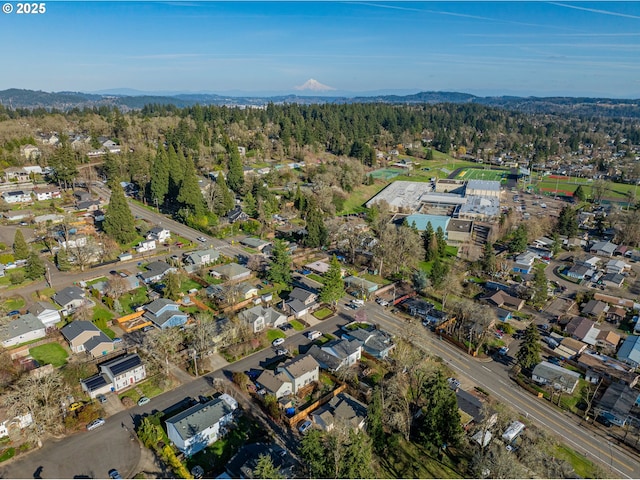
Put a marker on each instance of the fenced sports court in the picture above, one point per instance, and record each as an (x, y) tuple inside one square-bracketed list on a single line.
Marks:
[(387, 173)]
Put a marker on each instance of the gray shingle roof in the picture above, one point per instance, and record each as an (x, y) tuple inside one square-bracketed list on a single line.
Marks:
[(199, 417), (67, 295), (77, 327), (20, 326)]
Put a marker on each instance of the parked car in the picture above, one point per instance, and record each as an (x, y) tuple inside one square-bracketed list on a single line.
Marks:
[(277, 342), (13, 312), (306, 425), (503, 351), (117, 340), (202, 239), (454, 383), (313, 334), (98, 422), (357, 301), (101, 398), (75, 406), (148, 328), (603, 421), (143, 401), (282, 351), (113, 473)]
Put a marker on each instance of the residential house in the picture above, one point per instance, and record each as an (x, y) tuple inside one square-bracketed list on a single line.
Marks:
[(88, 205), (237, 215), (343, 410), (84, 336), (245, 461), (579, 271), (300, 302), (48, 192), (200, 258), (115, 375), (156, 271), (337, 354), (547, 373), (570, 347), (246, 290), (291, 376), (19, 422), (595, 308), (629, 352), (375, 342), (471, 407), (602, 367), (503, 315), (501, 299), (200, 425), (616, 266), (582, 329), (613, 280), (608, 341), (165, 313), (255, 243), (46, 312), (23, 329), (523, 263), (18, 215), (617, 402), (17, 196), (604, 248), (231, 272), (260, 317), (71, 298), (146, 246), (16, 174), (159, 234), (360, 286), (82, 195), (616, 314)]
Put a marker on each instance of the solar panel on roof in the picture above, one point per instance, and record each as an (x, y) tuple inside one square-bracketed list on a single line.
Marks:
[(124, 365), (95, 382)]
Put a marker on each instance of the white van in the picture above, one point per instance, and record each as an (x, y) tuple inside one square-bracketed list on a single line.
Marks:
[(312, 335)]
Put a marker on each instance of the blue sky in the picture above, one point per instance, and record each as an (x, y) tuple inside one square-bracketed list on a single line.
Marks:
[(484, 48)]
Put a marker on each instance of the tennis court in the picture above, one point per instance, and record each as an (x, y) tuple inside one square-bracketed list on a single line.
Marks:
[(386, 173), (482, 174)]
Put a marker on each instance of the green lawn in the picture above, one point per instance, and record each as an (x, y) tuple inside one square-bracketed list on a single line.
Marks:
[(316, 277), (49, 354), (150, 388), (13, 303), (410, 460), (274, 333), (359, 196), (135, 297), (323, 313), (188, 284), (297, 326), (7, 454), (101, 313), (481, 174), (97, 280), (583, 467)]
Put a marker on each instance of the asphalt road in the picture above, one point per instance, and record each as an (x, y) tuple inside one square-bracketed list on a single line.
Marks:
[(94, 453)]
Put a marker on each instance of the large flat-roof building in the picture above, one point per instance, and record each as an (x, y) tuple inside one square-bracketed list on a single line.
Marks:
[(421, 221), (402, 195), (483, 188)]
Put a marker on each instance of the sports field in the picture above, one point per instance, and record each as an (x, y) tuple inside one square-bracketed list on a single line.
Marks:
[(386, 173), (482, 174)]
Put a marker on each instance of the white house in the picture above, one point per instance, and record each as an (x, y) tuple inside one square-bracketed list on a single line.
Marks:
[(159, 234), (48, 314), (115, 375), (260, 317), (48, 192), (20, 421), (17, 196), (199, 426), (23, 329), (146, 246)]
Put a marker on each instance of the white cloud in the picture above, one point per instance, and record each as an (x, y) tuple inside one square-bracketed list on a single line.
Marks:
[(314, 86)]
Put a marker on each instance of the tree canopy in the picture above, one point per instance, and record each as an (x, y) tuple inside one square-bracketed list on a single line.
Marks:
[(333, 288), (118, 221)]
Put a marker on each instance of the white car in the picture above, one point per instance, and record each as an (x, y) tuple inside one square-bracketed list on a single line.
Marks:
[(357, 301), (277, 342), (98, 422), (306, 425)]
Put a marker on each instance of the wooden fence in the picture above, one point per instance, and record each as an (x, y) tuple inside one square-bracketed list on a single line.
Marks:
[(303, 413)]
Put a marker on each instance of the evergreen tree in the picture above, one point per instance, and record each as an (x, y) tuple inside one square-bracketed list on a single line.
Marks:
[(420, 280), (333, 288), (567, 222), (62, 260), (265, 468), (439, 271), (518, 241), (299, 201), (429, 241), (189, 194), (312, 452), (441, 243), (375, 425), (357, 461), (35, 267), (176, 170), (488, 260), (580, 194), (540, 286), (64, 164), (235, 176), (20, 247), (118, 222), (250, 205), (440, 422), (316, 230), (280, 265), (160, 177), (172, 286), (528, 356)]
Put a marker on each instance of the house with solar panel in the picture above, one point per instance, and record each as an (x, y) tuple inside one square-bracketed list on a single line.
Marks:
[(115, 375)]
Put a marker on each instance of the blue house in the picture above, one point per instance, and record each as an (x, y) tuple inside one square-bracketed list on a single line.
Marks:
[(524, 262), (503, 314), (165, 313), (630, 351)]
